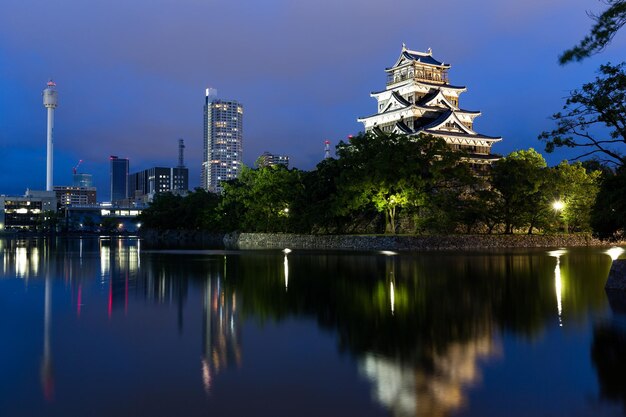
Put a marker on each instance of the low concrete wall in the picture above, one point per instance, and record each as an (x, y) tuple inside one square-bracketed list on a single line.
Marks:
[(403, 243)]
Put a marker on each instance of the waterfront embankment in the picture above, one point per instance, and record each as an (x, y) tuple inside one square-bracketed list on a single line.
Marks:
[(253, 241)]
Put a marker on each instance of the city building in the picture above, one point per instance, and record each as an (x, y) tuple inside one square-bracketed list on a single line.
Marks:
[(75, 196), (119, 178), (26, 212), (268, 159), (83, 180), (418, 99), (223, 141), (147, 183)]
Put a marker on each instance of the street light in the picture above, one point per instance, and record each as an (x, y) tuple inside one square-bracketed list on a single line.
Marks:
[(558, 207)]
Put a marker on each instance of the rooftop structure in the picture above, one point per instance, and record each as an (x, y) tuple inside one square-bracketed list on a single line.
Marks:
[(269, 159), (418, 99)]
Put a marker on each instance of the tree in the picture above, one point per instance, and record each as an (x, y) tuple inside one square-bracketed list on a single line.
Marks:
[(606, 26), (262, 200), (607, 216), (520, 179), (391, 172), (598, 105), (577, 189)]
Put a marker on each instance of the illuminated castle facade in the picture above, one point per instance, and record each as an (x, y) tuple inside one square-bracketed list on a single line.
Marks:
[(419, 99)]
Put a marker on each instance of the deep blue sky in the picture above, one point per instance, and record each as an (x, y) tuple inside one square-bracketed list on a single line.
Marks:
[(131, 74)]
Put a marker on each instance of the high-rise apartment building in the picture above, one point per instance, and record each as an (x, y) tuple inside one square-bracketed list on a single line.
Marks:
[(223, 141), (119, 178)]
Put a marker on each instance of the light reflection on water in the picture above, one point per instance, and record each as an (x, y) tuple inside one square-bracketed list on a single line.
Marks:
[(423, 331)]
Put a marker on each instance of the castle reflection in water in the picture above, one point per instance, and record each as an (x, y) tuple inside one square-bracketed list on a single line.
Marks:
[(420, 329)]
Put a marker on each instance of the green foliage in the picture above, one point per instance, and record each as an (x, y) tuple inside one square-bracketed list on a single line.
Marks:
[(393, 172), (262, 199), (521, 178), (606, 26), (597, 104), (391, 183), (607, 218), (577, 189), (194, 212)]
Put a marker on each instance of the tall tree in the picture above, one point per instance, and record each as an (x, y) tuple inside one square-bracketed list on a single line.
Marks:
[(520, 179), (593, 119), (606, 26)]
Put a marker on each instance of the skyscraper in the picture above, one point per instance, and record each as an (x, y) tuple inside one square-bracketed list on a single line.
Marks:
[(223, 141), (119, 178)]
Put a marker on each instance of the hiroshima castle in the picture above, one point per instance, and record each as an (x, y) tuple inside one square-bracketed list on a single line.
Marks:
[(419, 100)]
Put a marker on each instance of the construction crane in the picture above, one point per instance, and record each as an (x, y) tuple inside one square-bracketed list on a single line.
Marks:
[(77, 165)]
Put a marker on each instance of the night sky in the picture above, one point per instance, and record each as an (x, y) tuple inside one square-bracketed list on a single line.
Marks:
[(131, 75)]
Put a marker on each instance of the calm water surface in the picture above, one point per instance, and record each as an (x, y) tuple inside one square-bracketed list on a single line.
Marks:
[(101, 327)]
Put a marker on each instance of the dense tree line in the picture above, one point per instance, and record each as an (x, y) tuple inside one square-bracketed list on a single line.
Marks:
[(394, 184)]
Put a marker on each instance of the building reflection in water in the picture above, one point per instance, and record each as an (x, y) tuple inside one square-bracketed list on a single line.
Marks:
[(558, 282), (47, 374), (413, 391), (221, 331), (22, 255)]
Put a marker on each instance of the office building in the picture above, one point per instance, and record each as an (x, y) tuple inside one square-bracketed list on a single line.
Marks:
[(156, 180), (75, 196), (223, 141), (26, 212), (119, 178)]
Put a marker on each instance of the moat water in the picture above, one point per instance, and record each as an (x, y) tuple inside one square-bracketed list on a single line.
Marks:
[(102, 327)]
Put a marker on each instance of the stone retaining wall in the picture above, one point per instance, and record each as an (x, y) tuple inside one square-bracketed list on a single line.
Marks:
[(245, 241), (181, 239), (404, 243)]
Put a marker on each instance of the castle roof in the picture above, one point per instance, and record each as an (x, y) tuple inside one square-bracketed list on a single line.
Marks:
[(408, 56)]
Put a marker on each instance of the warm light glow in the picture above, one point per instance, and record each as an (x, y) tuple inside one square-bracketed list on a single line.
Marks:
[(392, 296), (286, 263), (558, 282), (558, 205), (21, 262), (615, 252), (388, 252), (286, 250)]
